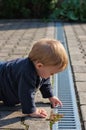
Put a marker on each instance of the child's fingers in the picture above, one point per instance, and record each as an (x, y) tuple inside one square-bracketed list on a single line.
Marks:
[(43, 112), (39, 113), (43, 115), (54, 104), (60, 103)]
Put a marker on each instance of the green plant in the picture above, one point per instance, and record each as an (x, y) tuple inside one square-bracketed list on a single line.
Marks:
[(71, 10), (54, 117)]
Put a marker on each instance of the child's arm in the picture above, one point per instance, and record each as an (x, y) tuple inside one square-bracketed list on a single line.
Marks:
[(55, 101), (46, 90), (27, 95), (39, 113)]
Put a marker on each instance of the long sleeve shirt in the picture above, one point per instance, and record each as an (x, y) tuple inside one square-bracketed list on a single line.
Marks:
[(18, 84)]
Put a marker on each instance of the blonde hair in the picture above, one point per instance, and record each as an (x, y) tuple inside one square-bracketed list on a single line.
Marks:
[(49, 52)]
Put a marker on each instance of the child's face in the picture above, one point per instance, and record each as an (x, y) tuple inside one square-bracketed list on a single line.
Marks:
[(46, 71)]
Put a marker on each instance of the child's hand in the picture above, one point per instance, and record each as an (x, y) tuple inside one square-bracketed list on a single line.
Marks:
[(39, 113), (55, 101)]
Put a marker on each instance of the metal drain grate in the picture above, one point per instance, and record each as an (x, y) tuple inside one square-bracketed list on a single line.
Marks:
[(64, 89)]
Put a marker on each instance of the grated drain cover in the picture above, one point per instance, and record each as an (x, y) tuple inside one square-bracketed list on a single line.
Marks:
[(64, 89)]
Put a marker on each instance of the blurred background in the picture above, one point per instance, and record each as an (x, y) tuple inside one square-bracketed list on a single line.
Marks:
[(68, 10)]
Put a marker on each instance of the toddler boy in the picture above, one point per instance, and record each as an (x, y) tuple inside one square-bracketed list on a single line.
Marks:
[(20, 78)]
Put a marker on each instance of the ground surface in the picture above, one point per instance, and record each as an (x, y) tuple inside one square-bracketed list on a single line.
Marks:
[(16, 40)]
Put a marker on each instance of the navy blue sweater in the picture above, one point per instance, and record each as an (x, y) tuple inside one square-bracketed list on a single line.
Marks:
[(19, 82)]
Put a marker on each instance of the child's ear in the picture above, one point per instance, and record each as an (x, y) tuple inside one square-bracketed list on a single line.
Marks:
[(39, 65)]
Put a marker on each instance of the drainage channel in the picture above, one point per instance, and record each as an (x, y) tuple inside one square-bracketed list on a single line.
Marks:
[(64, 89)]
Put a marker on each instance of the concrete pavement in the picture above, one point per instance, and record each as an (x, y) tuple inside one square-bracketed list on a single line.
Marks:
[(76, 39), (16, 40)]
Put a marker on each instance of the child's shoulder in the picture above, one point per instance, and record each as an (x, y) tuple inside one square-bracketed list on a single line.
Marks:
[(17, 61), (18, 64), (24, 64)]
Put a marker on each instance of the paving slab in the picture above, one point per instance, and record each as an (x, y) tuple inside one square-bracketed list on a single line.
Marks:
[(83, 109), (10, 119), (79, 69), (82, 98), (77, 57), (80, 77), (85, 125), (81, 86), (39, 126), (78, 62)]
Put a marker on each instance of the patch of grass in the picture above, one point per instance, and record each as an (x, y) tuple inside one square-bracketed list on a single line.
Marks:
[(54, 117)]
